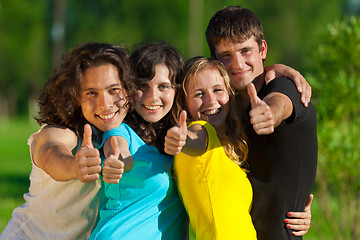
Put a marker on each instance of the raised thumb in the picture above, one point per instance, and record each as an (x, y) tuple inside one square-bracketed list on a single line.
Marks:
[(87, 143), (114, 146), (182, 122), (254, 99)]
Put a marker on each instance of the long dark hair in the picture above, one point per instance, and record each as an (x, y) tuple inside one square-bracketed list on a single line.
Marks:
[(144, 59)]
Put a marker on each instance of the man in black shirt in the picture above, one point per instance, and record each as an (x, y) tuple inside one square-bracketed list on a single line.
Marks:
[(281, 131)]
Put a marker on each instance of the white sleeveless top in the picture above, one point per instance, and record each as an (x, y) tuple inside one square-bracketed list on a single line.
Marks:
[(52, 209)]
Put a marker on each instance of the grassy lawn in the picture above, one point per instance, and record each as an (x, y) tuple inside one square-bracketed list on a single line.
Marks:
[(15, 167)]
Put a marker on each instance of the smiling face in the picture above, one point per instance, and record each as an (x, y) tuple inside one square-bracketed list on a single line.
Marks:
[(243, 61), (155, 98), (207, 96), (103, 98)]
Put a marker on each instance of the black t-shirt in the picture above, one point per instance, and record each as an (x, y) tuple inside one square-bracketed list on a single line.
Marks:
[(282, 165)]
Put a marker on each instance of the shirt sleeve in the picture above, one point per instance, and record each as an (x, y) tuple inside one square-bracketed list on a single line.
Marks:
[(121, 131), (286, 86)]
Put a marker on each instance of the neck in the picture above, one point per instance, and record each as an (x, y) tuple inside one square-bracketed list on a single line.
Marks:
[(242, 97), (221, 129)]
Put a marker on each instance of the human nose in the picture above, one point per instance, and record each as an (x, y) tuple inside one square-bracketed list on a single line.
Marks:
[(152, 94), (238, 61), (105, 100), (209, 98)]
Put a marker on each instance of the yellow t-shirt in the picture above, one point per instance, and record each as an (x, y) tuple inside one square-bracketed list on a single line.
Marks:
[(215, 191)]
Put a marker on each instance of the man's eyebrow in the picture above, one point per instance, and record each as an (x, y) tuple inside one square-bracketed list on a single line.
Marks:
[(245, 48), (113, 85), (108, 87)]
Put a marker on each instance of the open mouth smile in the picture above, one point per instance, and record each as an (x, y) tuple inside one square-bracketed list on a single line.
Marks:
[(107, 116), (211, 112), (152, 107)]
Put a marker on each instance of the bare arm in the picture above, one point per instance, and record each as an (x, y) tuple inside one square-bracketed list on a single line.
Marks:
[(268, 113), (118, 159), (196, 141), (53, 154), (280, 105), (280, 70), (191, 141)]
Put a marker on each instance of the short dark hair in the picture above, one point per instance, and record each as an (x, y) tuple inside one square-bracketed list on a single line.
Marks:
[(235, 23), (59, 102)]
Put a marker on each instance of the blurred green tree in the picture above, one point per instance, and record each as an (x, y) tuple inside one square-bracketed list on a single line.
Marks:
[(24, 55), (27, 32), (334, 73)]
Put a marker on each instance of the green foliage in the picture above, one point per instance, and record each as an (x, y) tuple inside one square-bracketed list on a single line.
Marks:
[(23, 50), (290, 27), (338, 69), (335, 78), (26, 47), (15, 164)]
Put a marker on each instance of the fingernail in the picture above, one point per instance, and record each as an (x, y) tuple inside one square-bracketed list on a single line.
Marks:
[(299, 89), (285, 221)]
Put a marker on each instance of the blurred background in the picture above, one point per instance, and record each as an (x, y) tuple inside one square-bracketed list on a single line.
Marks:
[(319, 38)]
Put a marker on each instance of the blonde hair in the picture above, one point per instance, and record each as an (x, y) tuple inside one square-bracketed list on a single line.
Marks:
[(233, 139)]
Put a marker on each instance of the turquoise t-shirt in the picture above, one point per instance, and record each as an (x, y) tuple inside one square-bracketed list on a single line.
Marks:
[(145, 203)]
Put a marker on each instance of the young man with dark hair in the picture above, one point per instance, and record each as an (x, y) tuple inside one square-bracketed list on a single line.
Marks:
[(281, 130)]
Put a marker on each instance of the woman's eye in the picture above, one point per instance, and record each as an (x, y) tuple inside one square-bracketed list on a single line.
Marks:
[(198, 94), (164, 86)]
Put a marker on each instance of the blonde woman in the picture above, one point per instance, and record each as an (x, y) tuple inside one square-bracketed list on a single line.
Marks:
[(209, 169)]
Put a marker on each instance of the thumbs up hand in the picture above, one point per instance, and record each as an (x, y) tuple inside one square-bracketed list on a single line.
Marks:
[(176, 136), (87, 160), (261, 116), (114, 165)]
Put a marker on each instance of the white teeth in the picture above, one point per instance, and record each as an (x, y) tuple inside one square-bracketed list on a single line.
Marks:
[(152, 107), (108, 116), (211, 112)]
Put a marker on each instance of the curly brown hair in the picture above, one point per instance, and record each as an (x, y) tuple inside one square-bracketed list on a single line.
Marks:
[(59, 102)]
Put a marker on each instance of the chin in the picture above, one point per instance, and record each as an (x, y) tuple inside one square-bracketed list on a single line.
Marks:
[(110, 126), (152, 120)]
